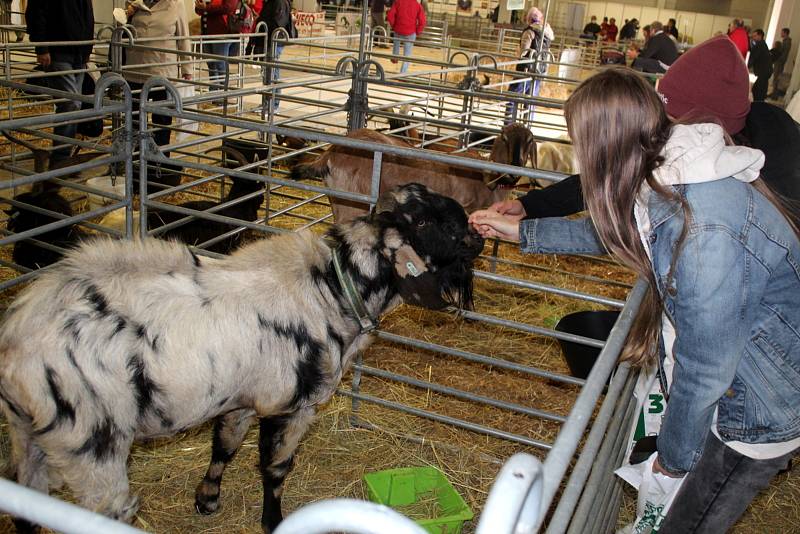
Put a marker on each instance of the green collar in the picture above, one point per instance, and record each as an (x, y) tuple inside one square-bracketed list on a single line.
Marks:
[(359, 309)]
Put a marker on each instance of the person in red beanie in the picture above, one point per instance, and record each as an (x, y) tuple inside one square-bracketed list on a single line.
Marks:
[(407, 19), (738, 34), (709, 83)]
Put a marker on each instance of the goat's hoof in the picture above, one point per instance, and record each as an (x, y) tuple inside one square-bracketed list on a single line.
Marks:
[(206, 506), (26, 527)]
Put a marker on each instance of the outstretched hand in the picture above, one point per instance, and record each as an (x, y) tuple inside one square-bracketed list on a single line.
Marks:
[(512, 208), (491, 223)]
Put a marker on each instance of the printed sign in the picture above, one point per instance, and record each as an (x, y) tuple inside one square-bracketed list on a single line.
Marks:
[(309, 24), (512, 5)]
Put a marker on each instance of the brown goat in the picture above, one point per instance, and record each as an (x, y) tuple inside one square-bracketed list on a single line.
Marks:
[(349, 169)]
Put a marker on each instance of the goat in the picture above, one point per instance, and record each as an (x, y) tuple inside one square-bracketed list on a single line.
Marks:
[(42, 161), (201, 230), (129, 340), (29, 254), (348, 169), (556, 157)]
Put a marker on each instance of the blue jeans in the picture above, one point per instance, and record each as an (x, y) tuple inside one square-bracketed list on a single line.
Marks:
[(276, 75), (217, 69), (408, 45), (71, 83), (719, 489), (521, 88)]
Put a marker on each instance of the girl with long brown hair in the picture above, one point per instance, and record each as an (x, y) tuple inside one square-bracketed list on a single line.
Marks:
[(688, 213)]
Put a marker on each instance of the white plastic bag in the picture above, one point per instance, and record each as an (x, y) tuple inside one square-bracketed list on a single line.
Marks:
[(186, 91), (656, 493)]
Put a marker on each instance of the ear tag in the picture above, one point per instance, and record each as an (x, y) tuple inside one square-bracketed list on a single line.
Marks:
[(412, 269), (407, 262)]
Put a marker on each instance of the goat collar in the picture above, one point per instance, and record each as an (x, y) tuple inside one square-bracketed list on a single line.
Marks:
[(366, 321)]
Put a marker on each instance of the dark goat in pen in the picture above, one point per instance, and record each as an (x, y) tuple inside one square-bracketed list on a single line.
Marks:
[(349, 169), (30, 254), (130, 340), (42, 159), (200, 230)]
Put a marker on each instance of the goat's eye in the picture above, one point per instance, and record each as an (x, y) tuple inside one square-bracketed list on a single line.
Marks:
[(421, 223)]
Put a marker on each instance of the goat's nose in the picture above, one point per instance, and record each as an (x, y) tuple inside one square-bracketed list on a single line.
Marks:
[(474, 242)]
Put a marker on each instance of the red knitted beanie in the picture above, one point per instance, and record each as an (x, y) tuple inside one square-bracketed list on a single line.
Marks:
[(709, 81)]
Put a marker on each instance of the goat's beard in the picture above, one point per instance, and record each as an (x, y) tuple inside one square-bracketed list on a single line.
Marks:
[(437, 289)]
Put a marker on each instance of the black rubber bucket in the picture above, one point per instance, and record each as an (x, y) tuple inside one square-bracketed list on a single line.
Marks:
[(251, 149), (593, 324)]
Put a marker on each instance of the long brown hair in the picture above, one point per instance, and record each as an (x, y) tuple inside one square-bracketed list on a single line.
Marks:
[(619, 127)]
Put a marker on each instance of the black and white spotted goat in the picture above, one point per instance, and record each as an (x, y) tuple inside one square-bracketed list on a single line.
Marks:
[(124, 341)]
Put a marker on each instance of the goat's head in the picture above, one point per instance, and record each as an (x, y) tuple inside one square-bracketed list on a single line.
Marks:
[(21, 219), (514, 146), (428, 240)]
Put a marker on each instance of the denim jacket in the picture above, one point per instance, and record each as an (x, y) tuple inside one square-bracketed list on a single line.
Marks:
[(734, 300)]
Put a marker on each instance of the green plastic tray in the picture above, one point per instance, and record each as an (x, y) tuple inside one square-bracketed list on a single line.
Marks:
[(418, 493)]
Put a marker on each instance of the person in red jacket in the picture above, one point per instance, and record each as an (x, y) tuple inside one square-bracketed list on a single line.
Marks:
[(407, 19), (612, 30), (738, 35), (214, 21)]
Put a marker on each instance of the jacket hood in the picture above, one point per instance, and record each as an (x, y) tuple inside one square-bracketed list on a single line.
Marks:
[(697, 153)]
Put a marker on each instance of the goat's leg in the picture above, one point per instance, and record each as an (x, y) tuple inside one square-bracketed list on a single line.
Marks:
[(30, 467), (277, 443), (229, 432)]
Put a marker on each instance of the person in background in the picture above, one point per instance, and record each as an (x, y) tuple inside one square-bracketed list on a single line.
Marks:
[(775, 51), (717, 248), (659, 52), (165, 22), (628, 31), (377, 18), (534, 38), (604, 26), (760, 63), (612, 30), (780, 61), (65, 20), (407, 19), (256, 6), (214, 21), (672, 28), (275, 14), (739, 36), (591, 29), (709, 82), (647, 32)]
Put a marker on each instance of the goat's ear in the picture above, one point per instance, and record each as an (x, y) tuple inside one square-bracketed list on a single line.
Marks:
[(387, 203)]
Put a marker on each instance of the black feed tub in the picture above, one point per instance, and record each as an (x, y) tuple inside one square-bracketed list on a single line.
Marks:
[(593, 324)]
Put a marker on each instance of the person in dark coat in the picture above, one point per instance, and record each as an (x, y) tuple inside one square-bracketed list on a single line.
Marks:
[(591, 29), (760, 63), (65, 20), (708, 83), (378, 20), (275, 14), (660, 48), (672, 28), (628, 30), (780, 61)]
